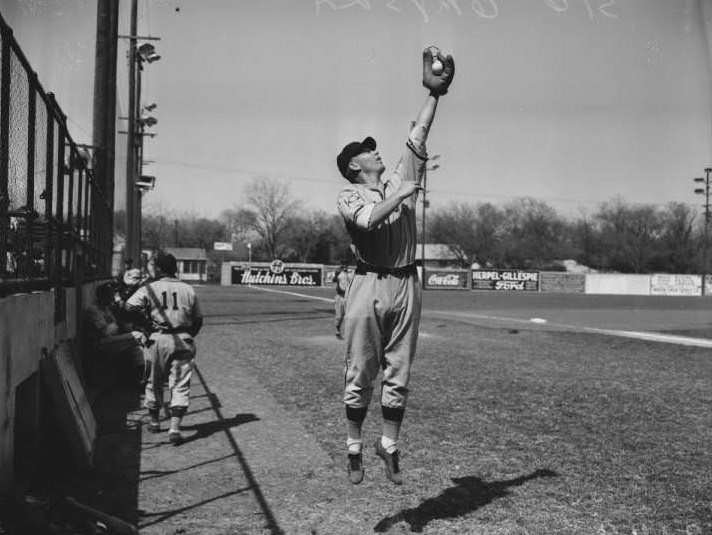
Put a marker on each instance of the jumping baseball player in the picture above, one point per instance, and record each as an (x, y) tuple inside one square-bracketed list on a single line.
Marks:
[(383, 300), (175, 317)]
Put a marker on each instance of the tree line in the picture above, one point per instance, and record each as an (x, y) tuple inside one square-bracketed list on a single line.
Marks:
[(523, 233)]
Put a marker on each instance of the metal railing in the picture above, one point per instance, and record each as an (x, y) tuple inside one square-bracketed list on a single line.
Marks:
[(55, 223)]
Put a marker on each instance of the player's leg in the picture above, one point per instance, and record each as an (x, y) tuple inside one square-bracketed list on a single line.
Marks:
[(363, 320), (153, 391), (181, 371), (339, 312), (398, 356)]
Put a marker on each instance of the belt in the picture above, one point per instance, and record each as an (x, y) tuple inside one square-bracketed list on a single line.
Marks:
[(403, 271)]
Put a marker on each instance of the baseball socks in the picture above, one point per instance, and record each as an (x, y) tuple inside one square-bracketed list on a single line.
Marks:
[(174, 434), (354, 422)]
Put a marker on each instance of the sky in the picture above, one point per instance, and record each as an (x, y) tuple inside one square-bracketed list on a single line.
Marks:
[(572, 102)]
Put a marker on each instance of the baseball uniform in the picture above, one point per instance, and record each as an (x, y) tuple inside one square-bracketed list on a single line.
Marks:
[(384, 298), (175, 317)]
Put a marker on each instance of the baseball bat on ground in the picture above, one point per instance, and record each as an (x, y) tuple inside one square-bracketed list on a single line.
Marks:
[(115, 525)]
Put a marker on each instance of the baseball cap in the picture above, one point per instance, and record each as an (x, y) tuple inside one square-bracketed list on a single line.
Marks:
[(167, 263), (353, 149)]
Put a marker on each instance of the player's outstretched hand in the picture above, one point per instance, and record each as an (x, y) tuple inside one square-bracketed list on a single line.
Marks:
[(407, 188), (437, 83)]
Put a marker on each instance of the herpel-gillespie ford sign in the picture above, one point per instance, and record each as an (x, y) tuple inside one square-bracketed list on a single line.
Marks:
[(447, 279), (277, 274), (505, 279)]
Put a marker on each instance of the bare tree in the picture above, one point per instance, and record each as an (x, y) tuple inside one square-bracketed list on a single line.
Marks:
[(240, 224), (273, 207)]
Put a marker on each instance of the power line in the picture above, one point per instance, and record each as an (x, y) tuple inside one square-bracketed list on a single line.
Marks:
[(330, 181)]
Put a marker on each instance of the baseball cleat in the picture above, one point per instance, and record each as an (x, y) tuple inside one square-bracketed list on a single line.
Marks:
[(175, 438), (355, 468), (154, 426), (391, 462)]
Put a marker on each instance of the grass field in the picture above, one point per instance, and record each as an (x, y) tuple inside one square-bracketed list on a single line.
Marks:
[(512, 427)]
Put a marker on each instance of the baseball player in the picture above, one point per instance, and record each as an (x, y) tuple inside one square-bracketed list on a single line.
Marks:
[(342, 279), (383, 300), (175, 317)]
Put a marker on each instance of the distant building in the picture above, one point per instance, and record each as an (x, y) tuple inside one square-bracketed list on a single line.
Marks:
[(192, 262), (437, 255)]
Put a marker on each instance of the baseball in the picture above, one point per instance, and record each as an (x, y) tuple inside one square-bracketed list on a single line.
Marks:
[(437, 66)]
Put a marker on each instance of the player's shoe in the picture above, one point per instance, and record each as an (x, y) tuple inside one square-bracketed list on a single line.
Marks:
[(154, 425), (391, 461), (339, 336), (175, 438), (355, 468)]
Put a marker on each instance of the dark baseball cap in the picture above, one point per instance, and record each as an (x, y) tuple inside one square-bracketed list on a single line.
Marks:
[(353, 149), (167, 263)]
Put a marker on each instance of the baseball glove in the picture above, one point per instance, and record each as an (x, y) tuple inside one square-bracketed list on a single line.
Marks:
[(437, 83)]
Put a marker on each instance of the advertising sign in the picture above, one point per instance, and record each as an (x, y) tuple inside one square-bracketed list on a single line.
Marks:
[(276, 274), (667, 284), (446, 279), (222, 246), (505, 279)]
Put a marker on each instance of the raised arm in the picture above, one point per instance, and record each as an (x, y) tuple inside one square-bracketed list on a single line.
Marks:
[(421, 128)]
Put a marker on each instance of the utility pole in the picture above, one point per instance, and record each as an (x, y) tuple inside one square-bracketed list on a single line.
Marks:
[(131, 139), (426, 204), (706, 192), (104, 112)]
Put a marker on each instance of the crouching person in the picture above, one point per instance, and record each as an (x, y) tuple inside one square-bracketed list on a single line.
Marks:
[(175, 317), (116, 349)]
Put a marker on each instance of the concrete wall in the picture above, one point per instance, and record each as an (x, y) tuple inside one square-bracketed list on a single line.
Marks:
[(561, 282), (598, 283), (26, 328)]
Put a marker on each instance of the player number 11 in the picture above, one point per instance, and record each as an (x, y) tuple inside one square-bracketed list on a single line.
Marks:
[(165, 300)]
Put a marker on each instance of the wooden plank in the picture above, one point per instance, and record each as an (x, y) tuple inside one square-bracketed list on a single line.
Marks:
[(67, 392)]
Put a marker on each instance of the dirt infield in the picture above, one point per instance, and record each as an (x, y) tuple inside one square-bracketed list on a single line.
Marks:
[(513, 426)]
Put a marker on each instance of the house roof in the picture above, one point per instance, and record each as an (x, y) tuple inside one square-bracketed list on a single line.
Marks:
[(435, 251), (187, 253)]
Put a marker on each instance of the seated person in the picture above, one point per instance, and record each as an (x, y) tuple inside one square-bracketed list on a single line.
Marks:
[(130, 282), (113, 347)]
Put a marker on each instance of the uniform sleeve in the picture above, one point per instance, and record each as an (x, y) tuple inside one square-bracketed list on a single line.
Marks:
[(137, 300), (355, 210), (411, 166)]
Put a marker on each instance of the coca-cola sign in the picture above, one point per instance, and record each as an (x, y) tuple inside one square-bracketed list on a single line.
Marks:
[(505, 279), (456, 280)]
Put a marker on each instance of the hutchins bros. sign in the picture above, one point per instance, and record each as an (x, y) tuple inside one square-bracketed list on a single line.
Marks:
[(277, 273), (505, 279)]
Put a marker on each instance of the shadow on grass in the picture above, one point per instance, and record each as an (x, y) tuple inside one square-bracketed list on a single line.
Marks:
[(467, 495), (208, 428)]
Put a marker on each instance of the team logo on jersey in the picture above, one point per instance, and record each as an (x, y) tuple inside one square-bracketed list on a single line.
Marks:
[(353, 200), (277, 266)]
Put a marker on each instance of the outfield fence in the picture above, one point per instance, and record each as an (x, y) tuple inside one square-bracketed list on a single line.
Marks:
[(55, 224)]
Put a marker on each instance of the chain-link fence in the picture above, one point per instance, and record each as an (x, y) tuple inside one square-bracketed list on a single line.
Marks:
[(55, 224)]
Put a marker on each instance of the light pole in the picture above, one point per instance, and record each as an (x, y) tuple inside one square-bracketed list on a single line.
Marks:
[(136, 56), (426, 204), (249, 263), (706, 192)]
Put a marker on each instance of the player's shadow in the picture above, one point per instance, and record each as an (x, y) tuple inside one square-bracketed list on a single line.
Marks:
[(467, 495), (208, 428)]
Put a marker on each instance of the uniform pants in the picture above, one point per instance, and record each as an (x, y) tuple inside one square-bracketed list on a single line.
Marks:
[(381, 332), (339, 311), (170, 356)]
